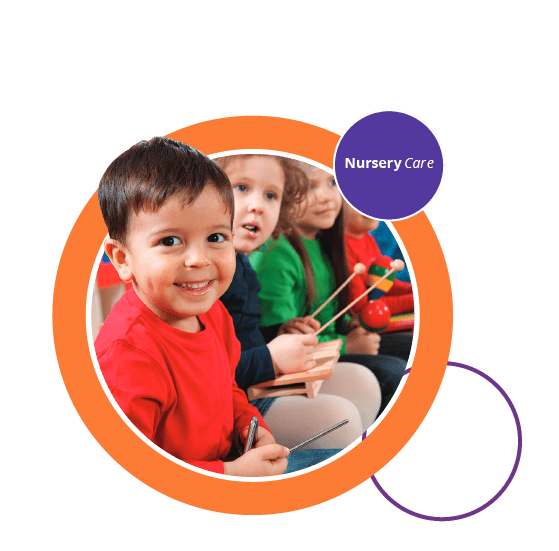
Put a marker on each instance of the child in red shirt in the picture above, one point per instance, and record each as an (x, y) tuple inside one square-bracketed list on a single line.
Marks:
[(168, 350), (362, 247)]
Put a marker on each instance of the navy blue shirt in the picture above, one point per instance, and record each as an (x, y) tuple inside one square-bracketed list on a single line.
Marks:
[(241, 301)]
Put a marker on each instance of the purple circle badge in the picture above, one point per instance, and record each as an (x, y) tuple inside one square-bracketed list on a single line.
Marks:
[(388, 165)]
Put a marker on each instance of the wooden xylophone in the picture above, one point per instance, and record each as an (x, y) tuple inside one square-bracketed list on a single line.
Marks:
[(306, 383)]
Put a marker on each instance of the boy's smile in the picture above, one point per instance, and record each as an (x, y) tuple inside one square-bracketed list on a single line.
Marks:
[(180, 258)]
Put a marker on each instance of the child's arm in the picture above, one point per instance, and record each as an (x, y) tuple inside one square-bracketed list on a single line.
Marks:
[(285, 354), (399, 304), (399, 298), (266, 458), (283, 293), (356, 288), (143, 393), (137, 384), (243, 412), (254, 367)]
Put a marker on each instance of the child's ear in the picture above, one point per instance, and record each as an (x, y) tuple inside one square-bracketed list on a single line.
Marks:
[(119, 258)]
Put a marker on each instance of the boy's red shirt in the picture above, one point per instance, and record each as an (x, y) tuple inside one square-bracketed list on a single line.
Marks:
[(177, 388)]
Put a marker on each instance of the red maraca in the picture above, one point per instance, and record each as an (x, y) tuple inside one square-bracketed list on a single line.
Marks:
[(375, 316), (397, 266)]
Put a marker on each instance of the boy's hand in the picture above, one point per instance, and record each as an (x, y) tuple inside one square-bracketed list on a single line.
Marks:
[(263, 437), (299, 326), (292, 353), (361, 341), (262, 461)]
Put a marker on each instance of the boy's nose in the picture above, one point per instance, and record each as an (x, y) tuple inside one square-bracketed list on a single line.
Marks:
[(197, 257)]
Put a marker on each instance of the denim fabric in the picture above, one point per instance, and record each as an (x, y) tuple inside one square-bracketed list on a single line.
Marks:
[(301, 459), (263, 405)]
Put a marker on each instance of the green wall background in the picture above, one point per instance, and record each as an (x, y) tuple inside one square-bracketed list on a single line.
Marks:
[(82, 84)]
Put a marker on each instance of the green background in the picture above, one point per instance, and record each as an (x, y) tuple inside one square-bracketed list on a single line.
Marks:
[(82, 84)]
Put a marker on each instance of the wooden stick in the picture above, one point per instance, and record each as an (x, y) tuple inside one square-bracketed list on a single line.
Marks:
[(358, 269), (398, 266)]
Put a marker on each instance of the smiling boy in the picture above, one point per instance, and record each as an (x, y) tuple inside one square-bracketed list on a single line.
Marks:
[(168, 350), (178, 257)]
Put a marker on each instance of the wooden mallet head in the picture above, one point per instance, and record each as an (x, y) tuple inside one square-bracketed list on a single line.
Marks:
[(397, 265), (359, 268)]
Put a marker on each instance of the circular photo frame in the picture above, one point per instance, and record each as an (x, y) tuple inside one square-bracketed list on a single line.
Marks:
[(237, 496)]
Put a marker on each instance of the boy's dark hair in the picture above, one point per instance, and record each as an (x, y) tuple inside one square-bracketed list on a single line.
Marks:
[(149, 173)]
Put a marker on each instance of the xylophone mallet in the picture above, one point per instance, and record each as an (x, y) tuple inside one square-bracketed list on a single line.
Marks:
[(358, 269), (397, 266)]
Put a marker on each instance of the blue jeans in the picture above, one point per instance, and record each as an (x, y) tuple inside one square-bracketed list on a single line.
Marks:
[(301, 459)]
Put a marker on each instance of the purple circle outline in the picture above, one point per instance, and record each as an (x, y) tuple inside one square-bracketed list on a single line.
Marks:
[(421, 121), (506, 484)]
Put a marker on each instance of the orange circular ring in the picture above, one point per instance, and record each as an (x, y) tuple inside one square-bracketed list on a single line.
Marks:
[(237, 496)]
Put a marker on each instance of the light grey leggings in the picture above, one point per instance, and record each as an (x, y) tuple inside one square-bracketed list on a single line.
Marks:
[(351, 393)]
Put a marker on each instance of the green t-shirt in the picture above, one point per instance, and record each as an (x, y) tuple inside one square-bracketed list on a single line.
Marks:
[(283, 293)]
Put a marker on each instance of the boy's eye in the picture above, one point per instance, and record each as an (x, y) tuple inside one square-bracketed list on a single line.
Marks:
[(170, 241), (240, 187), (332, 183), (271, 196), (216, 238)]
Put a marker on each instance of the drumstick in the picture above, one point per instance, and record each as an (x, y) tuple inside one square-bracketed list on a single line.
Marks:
[(397, 266), (358, 269)]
